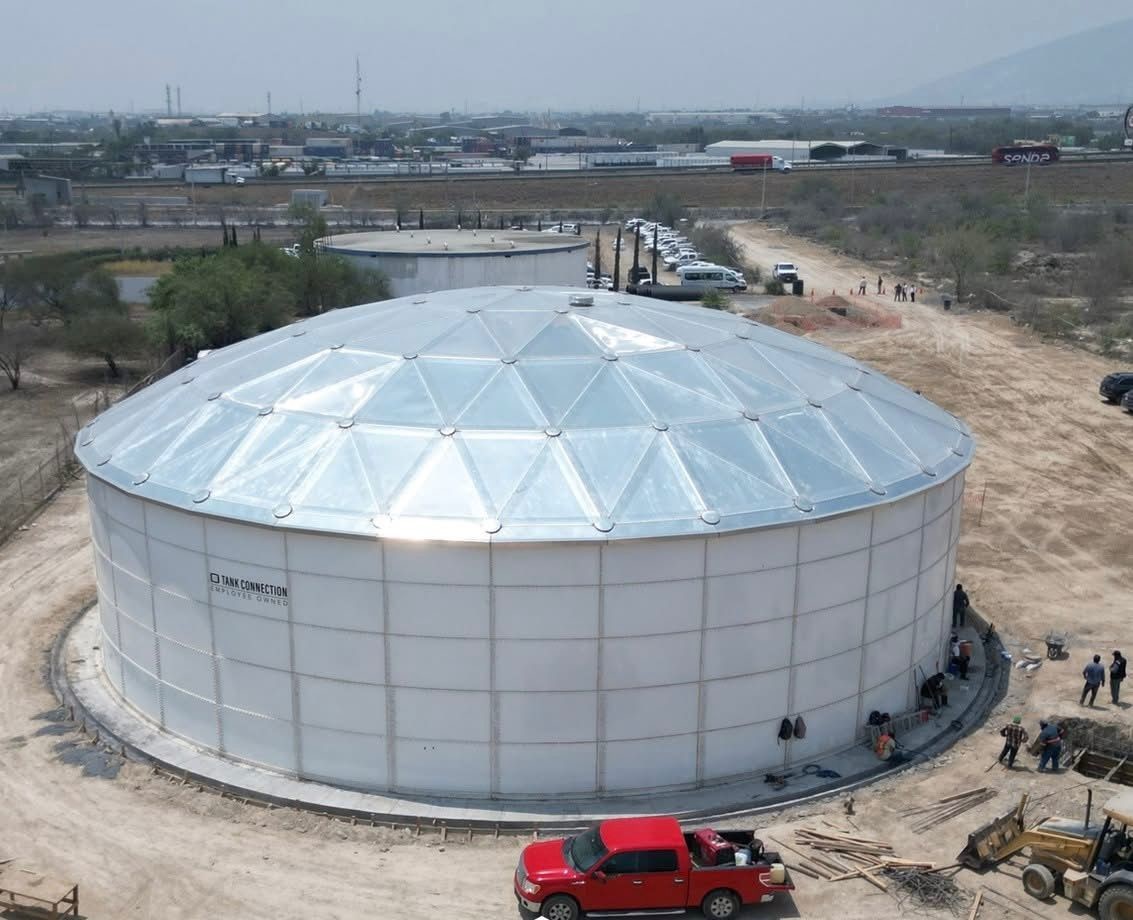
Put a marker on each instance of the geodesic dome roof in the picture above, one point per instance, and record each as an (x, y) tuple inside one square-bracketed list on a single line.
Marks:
[(524, 414)]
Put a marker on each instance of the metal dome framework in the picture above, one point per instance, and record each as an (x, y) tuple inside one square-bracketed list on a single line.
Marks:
[(524, 414)]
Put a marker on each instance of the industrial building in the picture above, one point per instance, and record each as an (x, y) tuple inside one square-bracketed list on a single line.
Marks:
[(802, 150), (512, 542), (418, 261)]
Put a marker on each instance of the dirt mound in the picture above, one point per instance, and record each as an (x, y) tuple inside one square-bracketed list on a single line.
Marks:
[(799, 314)]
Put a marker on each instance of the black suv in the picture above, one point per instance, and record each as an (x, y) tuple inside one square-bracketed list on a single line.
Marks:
[(1127, 401), (1115, 386)]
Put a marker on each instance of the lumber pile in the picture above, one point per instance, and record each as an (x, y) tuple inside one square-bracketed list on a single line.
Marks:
[(834, 856), (926, 817)]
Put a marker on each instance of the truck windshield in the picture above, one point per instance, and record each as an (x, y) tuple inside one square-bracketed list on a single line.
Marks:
[(584, 851)]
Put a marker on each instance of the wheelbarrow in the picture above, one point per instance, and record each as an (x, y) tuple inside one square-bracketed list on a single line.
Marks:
[(1056, 644)]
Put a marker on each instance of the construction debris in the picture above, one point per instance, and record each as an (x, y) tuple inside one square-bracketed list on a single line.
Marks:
[(929, 816), (918, 890), (917, 885)]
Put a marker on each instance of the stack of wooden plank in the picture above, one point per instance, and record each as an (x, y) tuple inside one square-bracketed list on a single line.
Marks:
[(926, 817), (837, 855)]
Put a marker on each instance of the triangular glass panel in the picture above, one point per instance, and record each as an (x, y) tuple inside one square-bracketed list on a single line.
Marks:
[(810, 428), (547, 493), (404, 399), (620, 339), (659, 490), (742, 354), (561, 338), (631, 318), (389, 456), (342, 399), (141, 438), (818, 379), (727, 489), (501, 461), (671, 403), (264, 484), (503, 403), (927, 439), (890, 391), (852, 412), (687, 331), (882, 466), (795, 344), (443, 488), (740, 445), (340, 482), (753, 392), (818, 468), (191, 462), (685, 369), (606, 459), (557, 385), (470, 339), (292, 439), (454, 383), (513, 329), (412, 338), (607, 403), (268, 389)]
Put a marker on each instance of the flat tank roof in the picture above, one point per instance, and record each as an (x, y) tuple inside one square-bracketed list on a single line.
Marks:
[(448, 243), (518, 414)]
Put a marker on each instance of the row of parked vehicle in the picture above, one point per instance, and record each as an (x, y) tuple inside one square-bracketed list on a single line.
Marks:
[(676, 252), (1118, 388)]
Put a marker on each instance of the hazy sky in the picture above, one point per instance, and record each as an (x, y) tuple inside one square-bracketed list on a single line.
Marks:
[(431, 55)]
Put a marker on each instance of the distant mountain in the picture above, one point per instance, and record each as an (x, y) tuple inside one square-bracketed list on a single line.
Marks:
[(1087, 68)]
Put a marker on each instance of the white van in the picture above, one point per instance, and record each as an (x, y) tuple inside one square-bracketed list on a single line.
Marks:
[(712, 276)]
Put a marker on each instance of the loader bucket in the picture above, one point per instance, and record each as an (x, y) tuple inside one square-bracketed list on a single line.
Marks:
[(993, 842)]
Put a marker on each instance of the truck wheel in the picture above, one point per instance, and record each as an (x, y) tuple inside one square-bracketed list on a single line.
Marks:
[(1116, 903), (560, 907), (1038, 881), (720, 904)]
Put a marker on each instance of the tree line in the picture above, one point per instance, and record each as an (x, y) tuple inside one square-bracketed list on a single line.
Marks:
[(210, 299)]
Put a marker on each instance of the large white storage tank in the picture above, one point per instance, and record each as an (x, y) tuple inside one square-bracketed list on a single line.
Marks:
[(522, 542), (419, 261)]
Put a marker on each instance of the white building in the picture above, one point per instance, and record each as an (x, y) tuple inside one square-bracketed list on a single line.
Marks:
[(512, 542), (416, 261)]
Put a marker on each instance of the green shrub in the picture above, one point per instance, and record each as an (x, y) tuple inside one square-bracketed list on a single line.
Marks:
[(775, 287), (715, 300)]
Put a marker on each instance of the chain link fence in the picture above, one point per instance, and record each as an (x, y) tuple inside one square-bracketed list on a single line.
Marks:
[(32, 489)]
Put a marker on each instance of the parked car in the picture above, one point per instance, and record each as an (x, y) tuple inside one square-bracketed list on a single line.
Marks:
[(712, 276), (1114, 386), (647, 865), (1127, 401), (639, 275), (786, 272)]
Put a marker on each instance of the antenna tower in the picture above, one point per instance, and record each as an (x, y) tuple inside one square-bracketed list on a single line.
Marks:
[(168, 101), (178, 101), (357, 87)]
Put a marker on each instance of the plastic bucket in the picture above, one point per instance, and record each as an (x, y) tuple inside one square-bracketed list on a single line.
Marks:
[(966, 648)]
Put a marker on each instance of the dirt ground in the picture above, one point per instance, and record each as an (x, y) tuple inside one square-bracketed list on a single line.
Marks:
[(1042, 548)]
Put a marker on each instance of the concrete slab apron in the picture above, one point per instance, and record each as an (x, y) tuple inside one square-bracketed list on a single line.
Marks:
[(76, 675)]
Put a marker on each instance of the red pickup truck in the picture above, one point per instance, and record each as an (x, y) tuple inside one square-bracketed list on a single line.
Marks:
[(646, 865)]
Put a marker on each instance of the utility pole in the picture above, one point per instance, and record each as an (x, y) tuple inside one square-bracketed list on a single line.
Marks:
[(763, 193), (178, 101), (269, 101), (168, 102), (357, 88)]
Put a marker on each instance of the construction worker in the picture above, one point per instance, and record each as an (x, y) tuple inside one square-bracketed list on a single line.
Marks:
[(960, 605), (1050, 741), (885, 747), (1116, 676), (1014, 735), (933, 689), (1094, 673), (959, 659)]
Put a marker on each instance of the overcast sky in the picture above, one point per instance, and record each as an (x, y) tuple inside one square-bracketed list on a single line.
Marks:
[(529, 55)]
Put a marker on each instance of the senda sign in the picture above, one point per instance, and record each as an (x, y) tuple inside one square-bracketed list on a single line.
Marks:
[(1033, 156)]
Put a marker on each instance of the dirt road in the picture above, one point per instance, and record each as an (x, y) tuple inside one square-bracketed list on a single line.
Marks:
[(1049, 550)]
